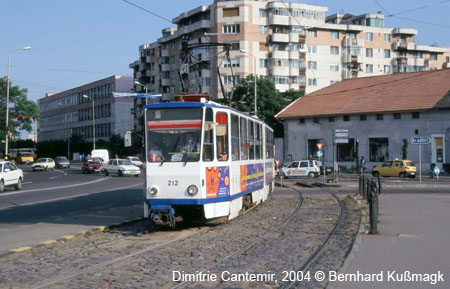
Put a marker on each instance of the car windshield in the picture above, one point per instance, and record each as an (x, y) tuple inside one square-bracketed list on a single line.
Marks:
[(41, 160), (95, 161), (134, 159), (124, 163), (27, 154), (174, 134)]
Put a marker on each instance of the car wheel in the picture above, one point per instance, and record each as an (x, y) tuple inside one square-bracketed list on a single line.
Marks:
[(284, 175), (2, 186), (311, 175), (375, 174), (402, 175), (106, 173), (136, 176), (120, 173), (19, 184)]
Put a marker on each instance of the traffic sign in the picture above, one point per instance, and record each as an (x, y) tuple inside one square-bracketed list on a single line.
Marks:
[(341, 136), (319, 154), (319, 146), (420, 140), (436, 170)]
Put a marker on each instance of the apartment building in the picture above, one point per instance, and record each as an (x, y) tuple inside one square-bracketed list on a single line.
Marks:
[(295, 44), (69, 113)]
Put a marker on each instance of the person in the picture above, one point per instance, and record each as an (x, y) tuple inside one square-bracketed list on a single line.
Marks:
[(362, 162), (222, 153), (235, 156), (116, 156), (155, 154), (190, 146)]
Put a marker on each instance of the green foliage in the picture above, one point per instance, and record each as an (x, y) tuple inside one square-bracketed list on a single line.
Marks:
[(270, 100), (405, 149), (21, 110)]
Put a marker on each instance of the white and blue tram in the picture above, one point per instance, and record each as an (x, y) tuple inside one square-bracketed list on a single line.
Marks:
[(204, 161)]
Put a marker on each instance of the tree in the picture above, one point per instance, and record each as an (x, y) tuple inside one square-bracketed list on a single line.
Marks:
[(270, 101), (22, 111), (405, 149)]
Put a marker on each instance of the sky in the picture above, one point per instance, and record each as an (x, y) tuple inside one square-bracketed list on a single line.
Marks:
[(77, 42)]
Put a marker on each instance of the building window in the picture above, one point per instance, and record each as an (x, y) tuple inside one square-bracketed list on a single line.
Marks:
[(312, 48), (312, 147), (312, 81), (263, 29), (334, 34), (264, 63), (369, 36), (233, 45), (418, 54), (234, 62), (230, 12), (369, 52), (380, 117), (346, 151), (387, 69), (433, 56), (363, 117), (397, 115), (312, 33), (263, 13), (387, 53), (316, 120), (346, 118), (231, 29), (369, 68), (334, 67), (387, 37), (351, 35), (302, 120), (281, 79), (415, 115), (334, 50), (378, 149), (331, 119), (312, 65)]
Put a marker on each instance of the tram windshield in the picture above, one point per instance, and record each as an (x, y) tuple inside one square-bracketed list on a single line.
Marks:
[(174, 134)]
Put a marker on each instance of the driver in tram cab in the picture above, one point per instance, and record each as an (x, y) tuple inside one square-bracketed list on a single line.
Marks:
[(155, 155), (190, 146)]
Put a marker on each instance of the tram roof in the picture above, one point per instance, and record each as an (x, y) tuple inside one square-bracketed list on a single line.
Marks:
[(185, 104)]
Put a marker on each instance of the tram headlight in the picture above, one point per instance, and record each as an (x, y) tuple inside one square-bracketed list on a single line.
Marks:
[(153, 191), (192, 190)]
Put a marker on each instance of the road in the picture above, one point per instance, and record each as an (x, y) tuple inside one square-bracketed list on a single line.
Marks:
[(65, 202)]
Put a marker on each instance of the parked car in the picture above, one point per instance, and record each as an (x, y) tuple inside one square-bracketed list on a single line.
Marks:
[(121, 167), (44, 164), (308, 168), (136, 161), (92, 165), (395, 168), (10, 175), (62, 162)]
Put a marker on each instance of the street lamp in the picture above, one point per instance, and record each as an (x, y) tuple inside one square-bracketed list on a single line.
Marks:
[(254, 71), (93, 118), (7, 97)]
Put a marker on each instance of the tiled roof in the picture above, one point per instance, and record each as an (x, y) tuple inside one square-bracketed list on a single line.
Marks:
[(415, 91)]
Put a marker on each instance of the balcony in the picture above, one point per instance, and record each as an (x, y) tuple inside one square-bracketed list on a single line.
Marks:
[(293, 55), (294, 71), (280, 37), (164, 52), (350, 41), (279, 70), (279, 20), (293, 37), (400, 45), (352, 58), (278, 54), (415, 61)]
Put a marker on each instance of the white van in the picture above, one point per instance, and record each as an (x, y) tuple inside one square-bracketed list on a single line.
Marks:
[(104, 154)]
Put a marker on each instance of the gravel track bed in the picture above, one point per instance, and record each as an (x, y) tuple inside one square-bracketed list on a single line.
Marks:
[(152, 269)]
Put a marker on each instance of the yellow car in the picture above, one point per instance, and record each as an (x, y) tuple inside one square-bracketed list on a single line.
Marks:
[(26, 158), (395, 168)]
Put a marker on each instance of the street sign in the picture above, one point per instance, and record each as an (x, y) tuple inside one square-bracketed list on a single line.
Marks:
[(436, 170), (127, 139), (319, 146), (341, 135), (420, 140), (319, 154)]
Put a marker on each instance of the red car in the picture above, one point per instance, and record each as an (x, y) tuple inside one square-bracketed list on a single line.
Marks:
[(92, 165)]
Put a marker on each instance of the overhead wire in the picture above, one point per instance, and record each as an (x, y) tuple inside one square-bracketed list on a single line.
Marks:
[(148, 11)]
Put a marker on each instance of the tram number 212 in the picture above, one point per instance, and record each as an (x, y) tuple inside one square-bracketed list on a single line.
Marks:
[(172, 183)]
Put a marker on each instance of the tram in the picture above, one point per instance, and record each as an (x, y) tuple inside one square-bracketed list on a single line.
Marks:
[(204, 161)]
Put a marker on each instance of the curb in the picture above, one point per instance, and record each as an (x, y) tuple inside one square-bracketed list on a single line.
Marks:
[(357, 243), (67, 238)]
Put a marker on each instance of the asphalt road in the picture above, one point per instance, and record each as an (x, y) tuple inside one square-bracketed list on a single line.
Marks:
[(64, 202)]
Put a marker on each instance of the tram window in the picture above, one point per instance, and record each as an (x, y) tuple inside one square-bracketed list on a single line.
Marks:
[(234, 137), (251, 140), (243, 138), (222, 136), (208, 138)]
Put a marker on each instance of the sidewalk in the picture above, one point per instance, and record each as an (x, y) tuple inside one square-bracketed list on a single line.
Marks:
[(414, 234)]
